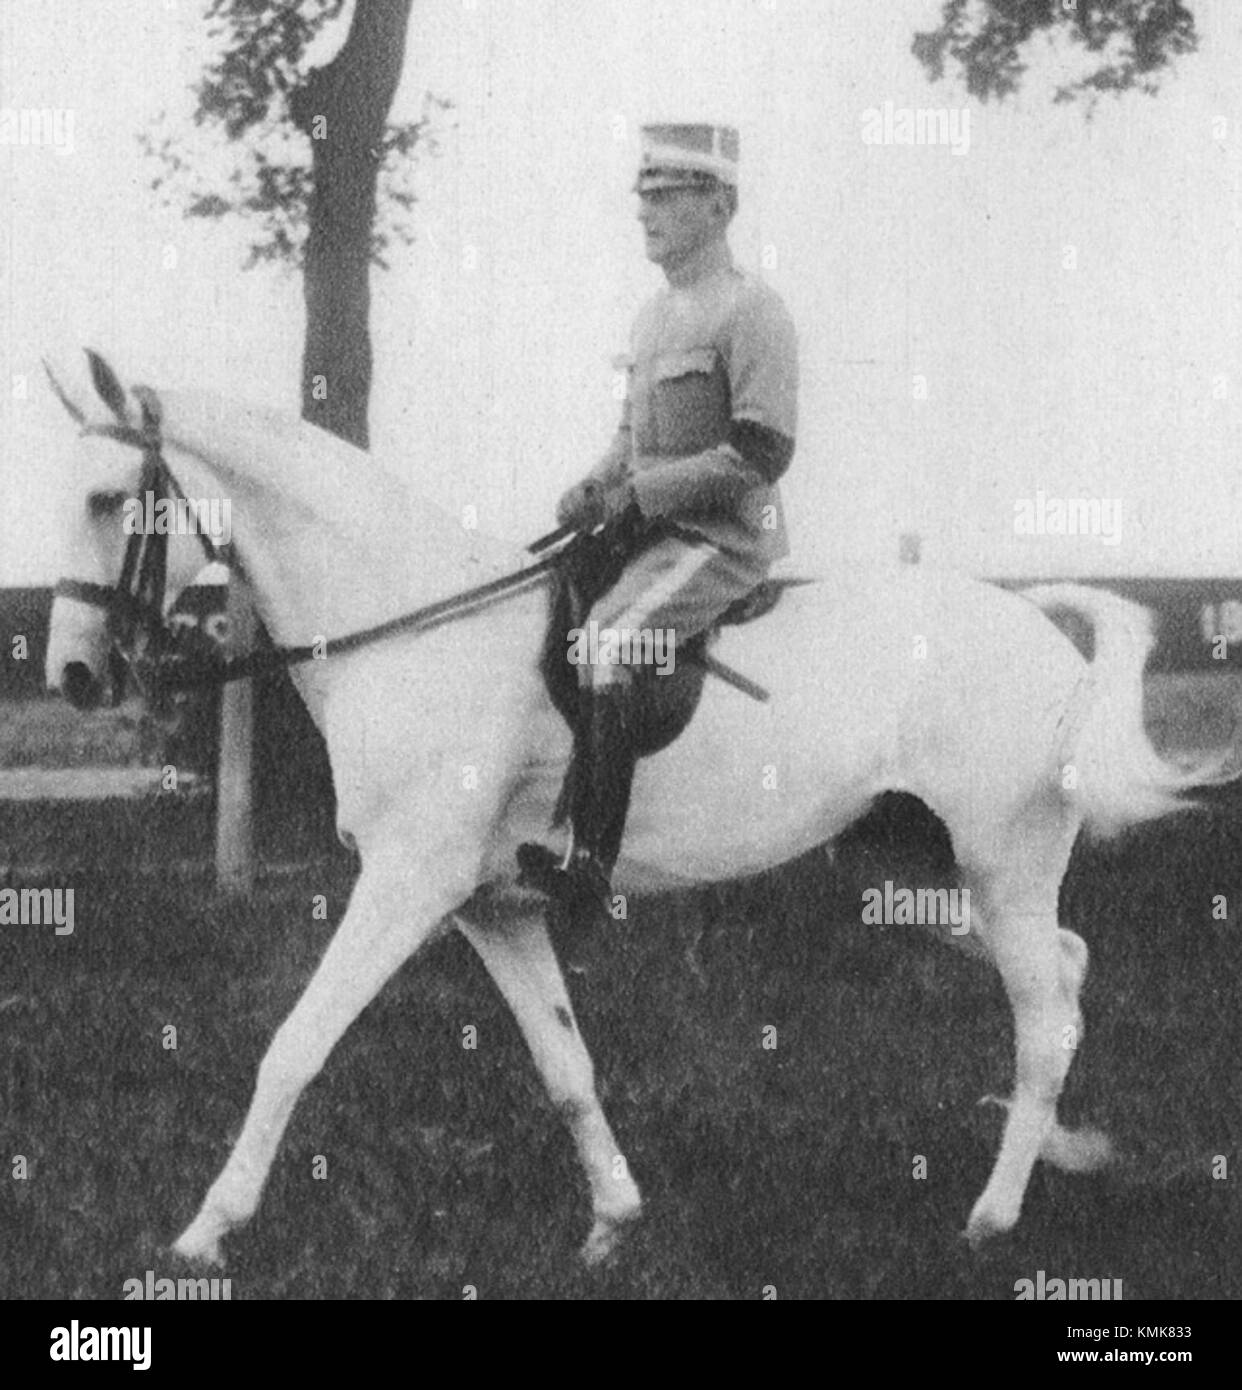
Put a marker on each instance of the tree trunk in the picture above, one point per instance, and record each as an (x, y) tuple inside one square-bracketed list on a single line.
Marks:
[(343, 109)]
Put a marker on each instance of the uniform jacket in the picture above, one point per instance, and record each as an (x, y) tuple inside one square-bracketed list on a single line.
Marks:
[(709, 361)]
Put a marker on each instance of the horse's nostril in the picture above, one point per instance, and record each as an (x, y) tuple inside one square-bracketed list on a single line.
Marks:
[(79, 686)]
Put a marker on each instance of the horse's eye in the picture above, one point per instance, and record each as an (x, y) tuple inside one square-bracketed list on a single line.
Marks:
[(101, 504)]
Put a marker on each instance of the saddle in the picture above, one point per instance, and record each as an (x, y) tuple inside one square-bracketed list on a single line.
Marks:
[(663, 705)]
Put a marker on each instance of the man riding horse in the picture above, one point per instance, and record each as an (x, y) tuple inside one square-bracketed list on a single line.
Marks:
[(688, 485)]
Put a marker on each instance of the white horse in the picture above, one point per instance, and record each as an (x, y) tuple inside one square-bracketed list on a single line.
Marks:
[(446, 754)]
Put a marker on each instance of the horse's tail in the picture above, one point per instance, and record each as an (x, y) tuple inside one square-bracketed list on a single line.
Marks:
[(1118, 778)]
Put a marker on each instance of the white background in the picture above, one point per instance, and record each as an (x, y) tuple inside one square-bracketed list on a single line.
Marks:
[(494, 383)]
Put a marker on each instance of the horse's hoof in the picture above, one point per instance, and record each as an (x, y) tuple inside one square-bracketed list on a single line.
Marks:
[(985, 1225), (605, 1239), (199, 1250)]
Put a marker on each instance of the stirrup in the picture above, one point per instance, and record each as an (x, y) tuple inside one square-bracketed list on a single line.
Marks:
[(540, 869), (583, 889)]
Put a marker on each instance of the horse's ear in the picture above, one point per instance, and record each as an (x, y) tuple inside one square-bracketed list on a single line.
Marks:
[(109, 388), (76, 413)]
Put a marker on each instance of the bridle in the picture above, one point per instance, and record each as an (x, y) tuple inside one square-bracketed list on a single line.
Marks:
[(139, 638), (163, 661)]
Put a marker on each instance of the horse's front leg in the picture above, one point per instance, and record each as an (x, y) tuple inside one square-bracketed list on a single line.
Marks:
[(388, 918), (512, 941)]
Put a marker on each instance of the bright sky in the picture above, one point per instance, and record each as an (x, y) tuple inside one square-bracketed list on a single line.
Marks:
[(1054, 310)]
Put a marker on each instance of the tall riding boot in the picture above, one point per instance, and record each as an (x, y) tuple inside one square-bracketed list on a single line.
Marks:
[(603, 772), (601, 796)]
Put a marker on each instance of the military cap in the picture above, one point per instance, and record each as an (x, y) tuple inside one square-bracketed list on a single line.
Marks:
[(687, 156)]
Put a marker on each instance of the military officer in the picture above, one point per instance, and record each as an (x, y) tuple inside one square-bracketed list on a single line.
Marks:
[(706, 431)]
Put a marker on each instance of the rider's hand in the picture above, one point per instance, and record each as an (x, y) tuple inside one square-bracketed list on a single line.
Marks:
[(582, 506), (620, 502)]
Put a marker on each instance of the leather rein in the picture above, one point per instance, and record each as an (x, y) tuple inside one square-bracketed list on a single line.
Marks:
[(155, 655)]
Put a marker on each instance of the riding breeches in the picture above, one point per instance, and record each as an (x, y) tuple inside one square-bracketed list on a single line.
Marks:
[(667, 594)]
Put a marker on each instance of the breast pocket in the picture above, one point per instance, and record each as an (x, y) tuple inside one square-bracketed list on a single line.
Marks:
[(690, 400)]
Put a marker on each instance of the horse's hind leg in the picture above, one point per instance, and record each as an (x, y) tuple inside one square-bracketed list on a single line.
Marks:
[(513, 943), (1043, 968), (1075, 1150)]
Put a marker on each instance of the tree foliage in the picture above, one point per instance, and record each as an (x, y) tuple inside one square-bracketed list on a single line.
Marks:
[(1132, 43), (249, 94)]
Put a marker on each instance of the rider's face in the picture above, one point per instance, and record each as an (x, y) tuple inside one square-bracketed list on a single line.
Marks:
[(679, 222)]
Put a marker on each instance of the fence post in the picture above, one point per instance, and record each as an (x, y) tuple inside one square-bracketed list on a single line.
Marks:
[(235, 853)]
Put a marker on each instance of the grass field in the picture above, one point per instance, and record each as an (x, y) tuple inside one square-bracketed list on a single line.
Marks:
[(51, 733), (788, 1167)]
